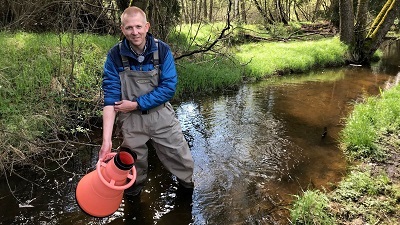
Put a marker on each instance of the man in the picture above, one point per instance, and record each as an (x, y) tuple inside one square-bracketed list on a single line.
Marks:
[(139, 79)]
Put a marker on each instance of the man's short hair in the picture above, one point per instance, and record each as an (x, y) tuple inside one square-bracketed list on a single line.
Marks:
[(133, 10)]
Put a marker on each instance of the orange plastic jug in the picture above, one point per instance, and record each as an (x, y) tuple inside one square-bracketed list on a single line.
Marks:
[(100, 192)]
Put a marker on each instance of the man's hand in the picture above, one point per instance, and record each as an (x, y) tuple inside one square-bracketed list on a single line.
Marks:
[(125, 106), (105, 149), (108, 124)]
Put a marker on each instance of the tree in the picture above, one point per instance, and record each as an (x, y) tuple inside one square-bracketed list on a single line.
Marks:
[(363, 45), (346, 26)]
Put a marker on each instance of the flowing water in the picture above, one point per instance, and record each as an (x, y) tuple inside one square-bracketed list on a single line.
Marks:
[(254, 149)]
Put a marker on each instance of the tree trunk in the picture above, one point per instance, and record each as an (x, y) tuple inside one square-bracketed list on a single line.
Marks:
[(205, 9), (263, 13), (143, 4), (360, 30), (185, 13), (316, 9), (236, 10), (200, 12), (243, 11), (122, 4), (346, 21), (210, 13), (281, 12), (363, 46), (193, 12), (333, 12), (380, 28)]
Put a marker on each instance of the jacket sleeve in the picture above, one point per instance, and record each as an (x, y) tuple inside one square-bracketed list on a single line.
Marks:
[(166, 87), (111, 83)]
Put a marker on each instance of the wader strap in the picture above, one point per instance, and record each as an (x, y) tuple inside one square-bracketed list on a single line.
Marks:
[(125, 61), (156, 58)]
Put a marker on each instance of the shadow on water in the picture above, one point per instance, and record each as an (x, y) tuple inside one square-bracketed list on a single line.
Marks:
[(253, 150)]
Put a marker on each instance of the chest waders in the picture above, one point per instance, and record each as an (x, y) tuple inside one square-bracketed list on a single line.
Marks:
[(159, 125)]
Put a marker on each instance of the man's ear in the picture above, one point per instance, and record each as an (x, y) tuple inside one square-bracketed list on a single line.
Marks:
[(121, 36)]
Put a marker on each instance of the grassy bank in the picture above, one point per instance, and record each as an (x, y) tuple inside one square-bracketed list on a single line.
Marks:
[(264, 59), (49, 84), (370, 193)]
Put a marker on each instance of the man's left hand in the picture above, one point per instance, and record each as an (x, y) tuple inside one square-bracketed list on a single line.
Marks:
[(125, 106)]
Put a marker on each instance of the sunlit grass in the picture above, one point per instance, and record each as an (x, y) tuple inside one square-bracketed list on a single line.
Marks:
[(263, 59), (362, 194), (37, 70), (369, 121), (312, 207), (207, 76), (253, 61), (359, 196), (190, 36)]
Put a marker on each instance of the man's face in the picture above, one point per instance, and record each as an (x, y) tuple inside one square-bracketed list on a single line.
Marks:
[(134, 27)]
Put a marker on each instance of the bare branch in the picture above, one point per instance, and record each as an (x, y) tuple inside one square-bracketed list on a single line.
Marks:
[(220, 37)]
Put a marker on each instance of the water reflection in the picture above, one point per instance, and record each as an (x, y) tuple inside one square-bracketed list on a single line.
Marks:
[(253, 149)]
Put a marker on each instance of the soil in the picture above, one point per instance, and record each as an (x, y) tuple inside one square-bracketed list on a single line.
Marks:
[(391, 167)]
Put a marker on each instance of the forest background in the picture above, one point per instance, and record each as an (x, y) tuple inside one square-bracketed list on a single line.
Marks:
[(52, 54)]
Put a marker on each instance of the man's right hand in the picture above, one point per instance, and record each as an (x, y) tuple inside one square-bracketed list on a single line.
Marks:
[(108, 124), (106, 147)]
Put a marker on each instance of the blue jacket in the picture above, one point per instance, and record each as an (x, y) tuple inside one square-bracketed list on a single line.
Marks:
[(168, 79)]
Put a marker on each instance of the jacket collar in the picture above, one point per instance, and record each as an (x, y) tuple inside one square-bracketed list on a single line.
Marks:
[(150, 43)]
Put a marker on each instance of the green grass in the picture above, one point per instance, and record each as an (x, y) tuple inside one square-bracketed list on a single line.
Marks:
[(266, 59), (311, 208), (207, 76), (205, 73), (327, 76), (360, 196), (37, 72), (363, 195), (369, 121)]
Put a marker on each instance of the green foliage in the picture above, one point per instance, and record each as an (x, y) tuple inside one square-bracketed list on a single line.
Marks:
[(369, 121), (363, 194), (190, 36), (266, 59), (311, 208), (358, 184), (40, 71), (207, 75), (277, 30)]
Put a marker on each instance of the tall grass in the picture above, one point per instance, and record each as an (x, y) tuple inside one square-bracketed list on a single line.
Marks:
[(266, 59), (39, 73), (369, 121), (206, 76), (312, 208), (249, 61)]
